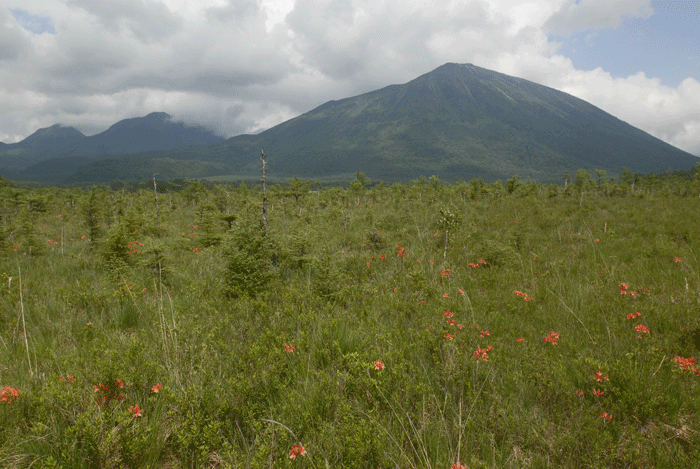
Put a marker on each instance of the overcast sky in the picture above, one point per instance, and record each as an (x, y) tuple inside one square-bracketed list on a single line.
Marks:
[(243, 66)]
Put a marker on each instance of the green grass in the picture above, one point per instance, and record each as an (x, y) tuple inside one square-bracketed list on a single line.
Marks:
[(187, 310)]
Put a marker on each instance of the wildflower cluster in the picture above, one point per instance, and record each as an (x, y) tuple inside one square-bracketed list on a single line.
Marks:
[(135, 410), (445, 273), (451, 322), (474, 265), (379, 365), (111, 390), (7, 393), (525, 296), (551, 338), (642, 329), (132, 248), (634, 315), (296, 451), (624, 289), (482, 354), (401, 252), (687, 364)]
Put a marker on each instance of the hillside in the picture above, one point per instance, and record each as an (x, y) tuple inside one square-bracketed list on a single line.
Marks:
[(157, 131), (29, 150)]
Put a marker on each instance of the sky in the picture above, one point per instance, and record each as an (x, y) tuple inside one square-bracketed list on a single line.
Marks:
[(243, 66)]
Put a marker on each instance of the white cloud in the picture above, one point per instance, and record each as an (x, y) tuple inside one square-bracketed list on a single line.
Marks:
[(583, 15), (14, 40)]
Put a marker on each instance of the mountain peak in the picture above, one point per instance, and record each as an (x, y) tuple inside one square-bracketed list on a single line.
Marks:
[(56, 134), (158, 116)]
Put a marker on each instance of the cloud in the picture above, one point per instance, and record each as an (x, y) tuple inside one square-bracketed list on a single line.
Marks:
[(14, 40), (147, 20), (583, 15)]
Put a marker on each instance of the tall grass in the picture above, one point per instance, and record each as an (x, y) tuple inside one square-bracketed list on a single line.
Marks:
[(349, 279)]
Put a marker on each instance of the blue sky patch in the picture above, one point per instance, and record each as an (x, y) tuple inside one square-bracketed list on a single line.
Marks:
[(35, 24), (664, 46)]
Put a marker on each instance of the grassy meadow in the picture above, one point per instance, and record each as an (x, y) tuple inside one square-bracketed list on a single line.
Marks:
[(419, 325)]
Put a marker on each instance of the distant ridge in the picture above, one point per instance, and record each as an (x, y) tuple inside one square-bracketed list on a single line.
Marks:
[(155, 131), (27, 151)]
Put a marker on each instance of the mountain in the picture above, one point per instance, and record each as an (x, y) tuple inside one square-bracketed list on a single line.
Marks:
[(156, 131), (28, 151), (153, 132), (458, 122)]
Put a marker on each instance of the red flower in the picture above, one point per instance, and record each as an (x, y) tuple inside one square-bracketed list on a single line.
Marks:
[(445, 295), (483, 333), (598, 393), (378, 365), (641, 328), (289, 348), (481, 355), (520, 339), (447, 314), (552, 338), (8, 392), (136, 410), (634, 315), (606, 416), (156, 388), (448, 336), (688, 364), (460, 291), (579, 393), (296, 451), (599, 377), (459, 465), (676, 259)]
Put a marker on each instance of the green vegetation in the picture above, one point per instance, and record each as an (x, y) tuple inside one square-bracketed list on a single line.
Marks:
[(417, 325)]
